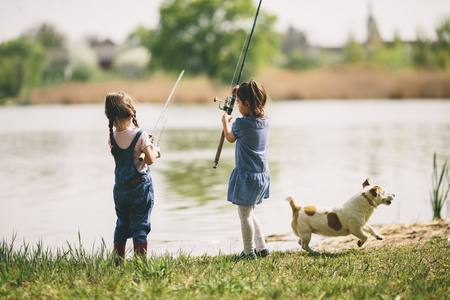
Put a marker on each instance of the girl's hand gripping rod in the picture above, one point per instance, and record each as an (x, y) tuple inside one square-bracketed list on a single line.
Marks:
[(230, 100), (161, 123)]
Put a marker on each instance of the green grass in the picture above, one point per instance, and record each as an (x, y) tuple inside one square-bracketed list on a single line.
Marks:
[(415, 271)]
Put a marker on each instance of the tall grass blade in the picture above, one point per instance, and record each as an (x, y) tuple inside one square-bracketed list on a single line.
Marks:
[(440, 188)]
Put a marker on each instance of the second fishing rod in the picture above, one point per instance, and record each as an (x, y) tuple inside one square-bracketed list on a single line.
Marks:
[(230, 101)]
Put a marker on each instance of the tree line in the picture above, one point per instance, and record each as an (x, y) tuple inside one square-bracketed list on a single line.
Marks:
[(205, 37)]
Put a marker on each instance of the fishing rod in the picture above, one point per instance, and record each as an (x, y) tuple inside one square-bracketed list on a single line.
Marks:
[(161, 122), (231, 100)]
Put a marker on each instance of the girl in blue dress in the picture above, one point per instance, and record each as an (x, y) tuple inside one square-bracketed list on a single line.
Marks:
[(250, 180), (133, 188)]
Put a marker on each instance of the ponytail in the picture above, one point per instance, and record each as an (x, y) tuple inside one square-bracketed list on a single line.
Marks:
[(255, 94)]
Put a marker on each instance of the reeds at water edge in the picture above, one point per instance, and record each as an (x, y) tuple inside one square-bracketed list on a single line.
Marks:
[(440, 184)]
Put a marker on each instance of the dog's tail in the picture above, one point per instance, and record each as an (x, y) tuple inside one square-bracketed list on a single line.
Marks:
[(294, 207)]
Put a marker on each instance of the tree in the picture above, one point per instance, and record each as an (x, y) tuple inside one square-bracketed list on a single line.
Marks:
[(442, 45), (54, 43), (207, 36), (395, 56), (422, 55), (22, 62), (353, 51), (49, 36)]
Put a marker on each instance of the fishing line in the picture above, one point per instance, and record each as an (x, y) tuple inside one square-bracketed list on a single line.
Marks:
[(229, 102), (162, 120), (238, 63)]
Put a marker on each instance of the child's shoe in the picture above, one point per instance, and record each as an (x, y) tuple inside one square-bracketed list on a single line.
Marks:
[(250, 256), (263, 253)]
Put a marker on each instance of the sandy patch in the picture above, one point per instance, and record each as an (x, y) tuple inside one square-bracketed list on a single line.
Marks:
[(393, 234)]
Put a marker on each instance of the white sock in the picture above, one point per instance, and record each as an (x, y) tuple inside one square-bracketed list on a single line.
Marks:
[(259, 234), (247, 227)]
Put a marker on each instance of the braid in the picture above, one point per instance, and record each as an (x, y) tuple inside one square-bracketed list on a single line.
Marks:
[(111, 136), (135, 122), (118, 106)]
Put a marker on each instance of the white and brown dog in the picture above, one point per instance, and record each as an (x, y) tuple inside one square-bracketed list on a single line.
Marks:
[(348, 218)]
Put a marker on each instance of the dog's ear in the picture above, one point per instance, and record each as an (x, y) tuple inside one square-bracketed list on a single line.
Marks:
[(375, 191), (366, 183)]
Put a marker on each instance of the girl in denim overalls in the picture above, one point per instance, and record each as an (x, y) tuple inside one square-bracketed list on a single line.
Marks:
[(250, 180), (133, 189)]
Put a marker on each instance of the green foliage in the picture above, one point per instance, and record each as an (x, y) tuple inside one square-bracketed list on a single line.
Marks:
[(49, 36), (207, 36), (295, 60), (83, 72), (422, 55), (353, 52), (440, 188), (433, 55), (22, 62), (442, 45), (395, 57), (141, 36)]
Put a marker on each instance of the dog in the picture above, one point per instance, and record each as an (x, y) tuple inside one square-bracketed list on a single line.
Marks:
[(345, 219)]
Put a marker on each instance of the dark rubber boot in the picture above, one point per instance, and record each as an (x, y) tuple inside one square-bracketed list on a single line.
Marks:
[(140, 249), (119, 250)]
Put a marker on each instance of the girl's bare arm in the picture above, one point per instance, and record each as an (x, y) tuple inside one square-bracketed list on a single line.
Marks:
[(227, 128), (150, 154)]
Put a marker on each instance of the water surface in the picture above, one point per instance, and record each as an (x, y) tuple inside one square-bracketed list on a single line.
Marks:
[(56, 173)]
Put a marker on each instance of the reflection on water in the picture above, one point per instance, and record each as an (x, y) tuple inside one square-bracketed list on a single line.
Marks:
[(56, 172), (188, 172)]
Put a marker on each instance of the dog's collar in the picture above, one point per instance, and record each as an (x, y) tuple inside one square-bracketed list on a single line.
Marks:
[(369, 200)]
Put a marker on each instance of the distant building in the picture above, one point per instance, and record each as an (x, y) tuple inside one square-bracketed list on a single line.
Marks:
[(294, 40), (373, 36), (106, 52), (58, 59), (58, 66)]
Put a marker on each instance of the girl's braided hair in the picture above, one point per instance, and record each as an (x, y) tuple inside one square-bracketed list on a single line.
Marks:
[(255, 94), (118, 106)]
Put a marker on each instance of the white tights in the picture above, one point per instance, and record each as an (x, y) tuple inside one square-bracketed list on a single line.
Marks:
[(252, 232)]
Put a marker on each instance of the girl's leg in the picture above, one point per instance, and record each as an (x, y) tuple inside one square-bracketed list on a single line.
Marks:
[(247, 227), (140, 212), (259, 234)]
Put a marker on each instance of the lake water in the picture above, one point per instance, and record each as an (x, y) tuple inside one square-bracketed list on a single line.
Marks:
[(56, 172)]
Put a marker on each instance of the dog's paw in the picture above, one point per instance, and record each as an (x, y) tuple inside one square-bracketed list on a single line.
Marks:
[(360, 243)]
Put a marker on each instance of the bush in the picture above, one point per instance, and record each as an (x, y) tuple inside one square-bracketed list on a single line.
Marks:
[(22, 64), (83, 72), (132, 62)]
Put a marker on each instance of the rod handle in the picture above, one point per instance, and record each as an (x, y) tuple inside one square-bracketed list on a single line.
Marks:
[(142, 156), (219, 150)]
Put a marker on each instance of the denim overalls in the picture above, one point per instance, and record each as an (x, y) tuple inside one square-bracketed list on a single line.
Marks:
[(133, 196)]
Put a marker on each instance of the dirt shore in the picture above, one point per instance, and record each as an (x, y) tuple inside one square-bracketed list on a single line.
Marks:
[(393, 234), (337, 83)]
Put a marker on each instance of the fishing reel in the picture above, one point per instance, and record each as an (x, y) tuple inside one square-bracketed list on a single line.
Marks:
[(226, 104)]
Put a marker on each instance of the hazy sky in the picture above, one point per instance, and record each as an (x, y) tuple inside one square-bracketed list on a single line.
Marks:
[(326, 22)]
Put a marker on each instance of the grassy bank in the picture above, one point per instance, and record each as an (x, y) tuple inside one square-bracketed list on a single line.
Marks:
[(414, 271), (338, 83)]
